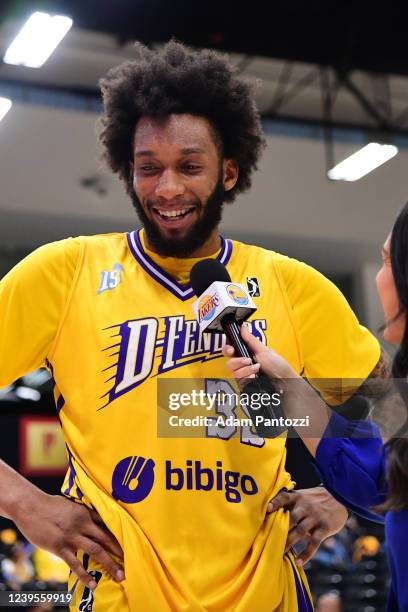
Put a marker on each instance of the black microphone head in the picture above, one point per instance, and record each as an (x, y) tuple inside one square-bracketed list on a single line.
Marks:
[(206, 272)]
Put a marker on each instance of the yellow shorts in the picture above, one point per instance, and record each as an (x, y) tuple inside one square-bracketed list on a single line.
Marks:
[(110, 596)]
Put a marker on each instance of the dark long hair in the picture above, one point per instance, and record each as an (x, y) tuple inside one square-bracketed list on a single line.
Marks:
[(397, 446)]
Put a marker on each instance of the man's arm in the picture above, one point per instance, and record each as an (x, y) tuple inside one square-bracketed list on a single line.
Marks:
[(58, 525), (38, 289)]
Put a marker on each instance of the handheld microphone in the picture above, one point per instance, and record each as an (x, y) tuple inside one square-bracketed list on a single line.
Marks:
[(222, 306)]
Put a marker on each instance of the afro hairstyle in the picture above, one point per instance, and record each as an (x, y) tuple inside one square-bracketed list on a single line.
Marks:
[(176, 80)]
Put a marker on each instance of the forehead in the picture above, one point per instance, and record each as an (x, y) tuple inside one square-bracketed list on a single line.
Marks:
[(176, 131)]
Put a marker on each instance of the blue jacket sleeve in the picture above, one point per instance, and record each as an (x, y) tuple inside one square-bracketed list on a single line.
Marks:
[(350, 459)]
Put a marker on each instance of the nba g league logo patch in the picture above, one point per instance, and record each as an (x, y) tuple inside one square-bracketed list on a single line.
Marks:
[(87, 599), (253, 286)]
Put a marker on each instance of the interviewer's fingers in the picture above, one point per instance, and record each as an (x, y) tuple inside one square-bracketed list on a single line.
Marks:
[(253, 343), (228, 350), (242, 367), (247, 371), (235, 363)]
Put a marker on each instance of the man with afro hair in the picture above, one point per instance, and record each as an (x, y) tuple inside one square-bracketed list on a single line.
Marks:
[(157, 519)]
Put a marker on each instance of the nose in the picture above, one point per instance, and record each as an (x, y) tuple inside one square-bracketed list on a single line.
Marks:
[(169, 185)]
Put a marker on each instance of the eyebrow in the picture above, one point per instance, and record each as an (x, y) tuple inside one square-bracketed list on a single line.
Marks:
[(185, 151), (190, 150), (144, 153)]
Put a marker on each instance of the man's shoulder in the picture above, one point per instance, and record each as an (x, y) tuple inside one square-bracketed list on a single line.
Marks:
[(285, 263), (98, 243), (296, 277), (69, 251), (103, 239)]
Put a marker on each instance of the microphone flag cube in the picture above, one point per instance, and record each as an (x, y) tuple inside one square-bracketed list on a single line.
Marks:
[(220, 300)]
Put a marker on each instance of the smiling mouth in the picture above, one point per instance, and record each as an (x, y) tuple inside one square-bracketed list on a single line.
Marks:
[(173, 215)]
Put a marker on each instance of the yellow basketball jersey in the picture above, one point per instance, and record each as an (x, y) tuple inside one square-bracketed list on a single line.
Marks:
[(188, 512)]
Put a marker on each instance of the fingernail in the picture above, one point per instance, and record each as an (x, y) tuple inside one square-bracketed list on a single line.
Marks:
[(120, 576), (256, 366), (92, 584), (299, 562), (270, 507)]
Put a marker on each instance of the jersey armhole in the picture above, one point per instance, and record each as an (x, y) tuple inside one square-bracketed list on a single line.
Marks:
[(69, 300), (290, 312)]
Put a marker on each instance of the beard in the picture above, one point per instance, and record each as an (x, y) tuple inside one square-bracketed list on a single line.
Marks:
[(196, 236)]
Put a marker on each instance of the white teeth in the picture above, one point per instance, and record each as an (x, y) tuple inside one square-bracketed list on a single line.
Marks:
[(172, 213)]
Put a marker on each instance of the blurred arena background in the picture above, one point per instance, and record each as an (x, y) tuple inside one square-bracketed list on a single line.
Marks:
[(333, 76)]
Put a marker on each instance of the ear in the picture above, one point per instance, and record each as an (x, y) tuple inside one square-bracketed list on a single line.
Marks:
[(230, 173)]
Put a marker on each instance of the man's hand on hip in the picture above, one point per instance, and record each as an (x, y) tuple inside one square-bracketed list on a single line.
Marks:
[(314, 516), (63, 527)]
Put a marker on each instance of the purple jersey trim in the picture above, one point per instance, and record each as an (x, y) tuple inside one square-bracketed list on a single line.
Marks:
[(74, 586), (183, 292), (60, 403), (304, 603), (72, 476)]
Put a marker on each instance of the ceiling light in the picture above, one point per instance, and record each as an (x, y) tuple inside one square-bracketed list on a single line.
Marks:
[(5, 105), (37, 39), (362, 162)]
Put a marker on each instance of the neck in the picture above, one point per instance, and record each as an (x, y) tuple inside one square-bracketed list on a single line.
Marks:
[(209, 247)]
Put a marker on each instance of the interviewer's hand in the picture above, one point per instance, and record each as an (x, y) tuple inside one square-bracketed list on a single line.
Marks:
[(63, 527), (314, 516), (271, 364)]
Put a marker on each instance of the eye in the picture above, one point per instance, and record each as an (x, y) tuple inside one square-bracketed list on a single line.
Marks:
[(147, 168), (192, 168)]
